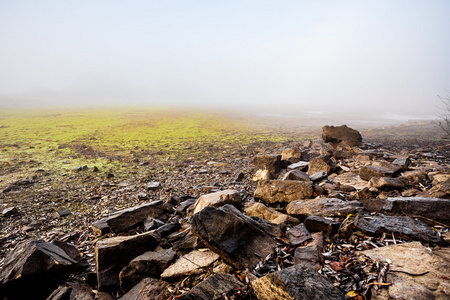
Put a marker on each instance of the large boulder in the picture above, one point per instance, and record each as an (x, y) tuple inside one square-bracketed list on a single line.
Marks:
[(282, 191), (214, 287), (342, 136), (415, 272), (323, 207), (34, 269), (124, 219), (414, 229), (113, 254), (218, 199), (431, 209), (296, 282), (237, 238)]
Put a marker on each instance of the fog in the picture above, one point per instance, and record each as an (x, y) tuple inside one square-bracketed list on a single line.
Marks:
[(363, 58)]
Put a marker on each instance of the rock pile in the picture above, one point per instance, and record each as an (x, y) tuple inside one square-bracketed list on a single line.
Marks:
[(341, 220)]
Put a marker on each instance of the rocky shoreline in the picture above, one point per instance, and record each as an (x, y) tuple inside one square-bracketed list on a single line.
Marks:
[(326, 219)]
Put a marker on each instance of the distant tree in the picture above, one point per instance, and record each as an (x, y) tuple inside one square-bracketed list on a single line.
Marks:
[(444, 115)]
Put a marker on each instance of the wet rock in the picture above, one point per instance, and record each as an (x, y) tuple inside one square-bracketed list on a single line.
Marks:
[(281, 191), (298, 235), (238, 239), (432, 209), (414, 259), (322, 163), (149, 289), (124, 219), (37, 265), (296, 175), (386, 183), (113, 254), (193, 263), (149, 264), (257, 209), (296, 282), (323, 207), (321, 224), (311, 254), (214, 287), (10, 211), (341, 136), (318, 176), (218, 199), (271, 163), (407, 226), (301, 165), (367, 172)]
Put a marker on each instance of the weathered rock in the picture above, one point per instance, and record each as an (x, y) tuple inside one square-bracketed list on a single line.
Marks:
[(323, 207), (37, 265), (341, 136), (433, 209), (413, 258), (73, 290), (10, 211), (113, 254), (311, 254), (386, 183), (325, 225), (365, 193), (149, 264), (148, 289), (292, 155), (218, 199), (262, 175), (318, 176), (195, 262), (281, 191), (127, 218), (403, 162), (296, 282), (153, 185), (152, 223), (351, 179), (184, 240), (407, 226), (367, 172), (322, 163), (168, 229), (296, 175), (441, 190), (271, 163), (236, 237), (298, 235), (301, 165), (257, 209), (437, 178), (214, 287), (62, 213)]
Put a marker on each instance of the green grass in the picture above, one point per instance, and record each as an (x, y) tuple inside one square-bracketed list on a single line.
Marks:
[(52, 139)]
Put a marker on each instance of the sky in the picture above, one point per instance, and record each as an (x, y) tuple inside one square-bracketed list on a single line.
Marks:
[(359, 57)]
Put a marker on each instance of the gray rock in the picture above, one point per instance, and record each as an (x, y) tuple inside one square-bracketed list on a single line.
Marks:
[(296, 282), (298, 235), (325, 225), (323, 207), (432, 209), (318, 176), (193, 263), (113, 254), (271, 163), (386, 183), (153, 185), (237, 238), (218, 199), (413, 258), (214, 287), (296, 175), (62, 213), (184, 240), (282, 191), (367, 172), (149, 264), (37, 265), (301, 165), (311, 254), (149, 289), (10, 211), (407, 226), (124, 219)]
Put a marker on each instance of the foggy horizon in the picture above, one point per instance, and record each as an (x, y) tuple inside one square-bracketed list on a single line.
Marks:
[(388, 58)]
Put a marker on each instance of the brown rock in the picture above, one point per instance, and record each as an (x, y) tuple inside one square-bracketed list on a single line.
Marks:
[(367, 172), (218, 199), (341, 136), (257, 209), (214, 287), (386, 183), (323, 207), (282, 191), (321, 163), (271, 163), (148, 289)]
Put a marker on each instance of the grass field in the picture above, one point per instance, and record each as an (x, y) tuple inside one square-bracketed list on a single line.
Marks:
[(61, 140)]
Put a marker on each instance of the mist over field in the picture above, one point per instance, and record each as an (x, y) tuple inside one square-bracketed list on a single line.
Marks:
[(383, 60)]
